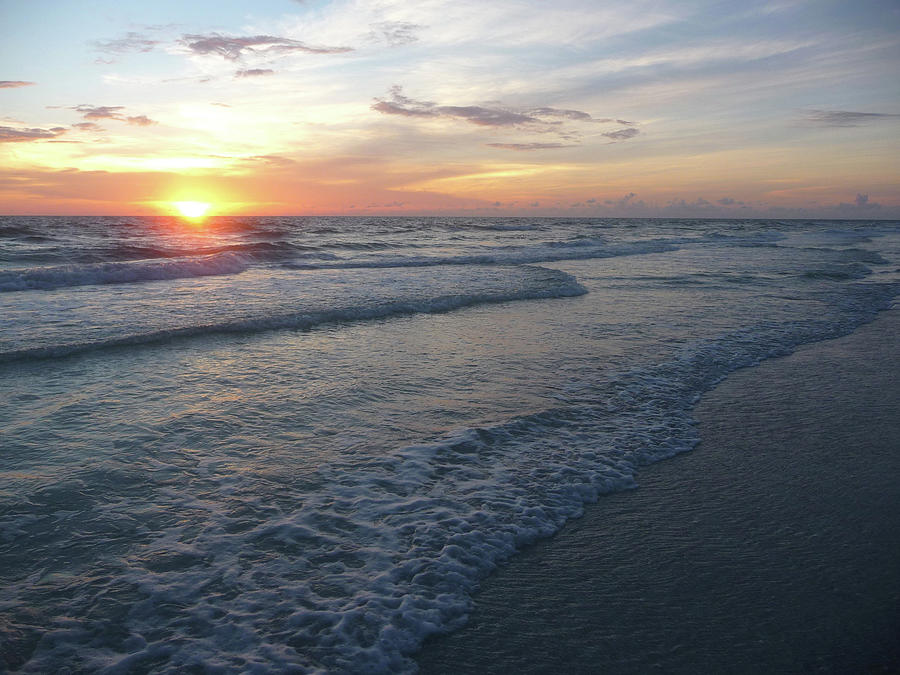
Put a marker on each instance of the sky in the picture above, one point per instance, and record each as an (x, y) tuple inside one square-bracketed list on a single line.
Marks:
[(645, 108)]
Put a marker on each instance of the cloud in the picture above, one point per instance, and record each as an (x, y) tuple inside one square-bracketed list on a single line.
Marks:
[(233, 48), (567, 114), (254, 72), (272, 160), (13, 135), (101, 112), (844, 118), (87, 126), (14, 84), (728, 201), (475, 114), (541, 120), (627, 201), (528, 146), (622, 134), (395, 33), (112, 112), (493, 116), (860, 204), (132, 42), (140, 121)]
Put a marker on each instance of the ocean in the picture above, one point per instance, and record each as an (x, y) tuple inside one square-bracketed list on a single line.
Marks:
[(300, 444)]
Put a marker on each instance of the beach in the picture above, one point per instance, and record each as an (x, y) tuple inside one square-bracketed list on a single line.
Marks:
[(773, 546)]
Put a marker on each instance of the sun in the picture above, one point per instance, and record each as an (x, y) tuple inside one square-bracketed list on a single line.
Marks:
[(192, 209)]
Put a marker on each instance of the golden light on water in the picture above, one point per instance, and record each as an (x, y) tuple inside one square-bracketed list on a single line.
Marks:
[(192, 209)]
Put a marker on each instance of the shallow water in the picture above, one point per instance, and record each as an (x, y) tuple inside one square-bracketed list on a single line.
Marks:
[(282, 444)]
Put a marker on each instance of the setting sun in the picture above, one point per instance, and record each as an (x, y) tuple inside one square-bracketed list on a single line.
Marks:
[(192, 209)]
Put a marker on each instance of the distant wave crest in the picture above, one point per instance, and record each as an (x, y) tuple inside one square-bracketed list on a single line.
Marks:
[(46, 278)]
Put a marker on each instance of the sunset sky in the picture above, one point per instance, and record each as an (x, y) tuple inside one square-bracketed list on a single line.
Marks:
[(788, 108)]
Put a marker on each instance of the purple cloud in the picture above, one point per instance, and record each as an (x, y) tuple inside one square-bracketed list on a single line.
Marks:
[(100, 112), (112, 112), (254, 72), (622, 134), (534, 120), (399, 104), (233, 48), (87, 126), (556, 112), (13, 135), (14, 84)]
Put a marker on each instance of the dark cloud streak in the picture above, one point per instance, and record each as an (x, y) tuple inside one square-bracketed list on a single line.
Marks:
[(844, 118), (13, 135), (535, 120), (14, 84), (233, 48)]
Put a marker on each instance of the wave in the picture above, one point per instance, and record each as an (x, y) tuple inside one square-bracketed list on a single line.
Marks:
[(46, 278), (548, 252), (549, 284)]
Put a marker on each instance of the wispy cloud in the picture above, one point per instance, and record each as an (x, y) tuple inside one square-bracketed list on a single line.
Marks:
[(13, 135), (524, 147), (395, 33), (233, 48), (132, 42), (399, 104), (14, 84), (844, 118), (254, 72), (542, 119)]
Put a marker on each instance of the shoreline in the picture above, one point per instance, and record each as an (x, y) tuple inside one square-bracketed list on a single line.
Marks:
[(772, 545)]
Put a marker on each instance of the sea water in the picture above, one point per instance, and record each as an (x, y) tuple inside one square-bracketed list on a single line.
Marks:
[(298, 444)]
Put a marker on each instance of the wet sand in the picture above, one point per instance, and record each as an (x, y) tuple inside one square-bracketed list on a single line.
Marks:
[(774, 545)]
